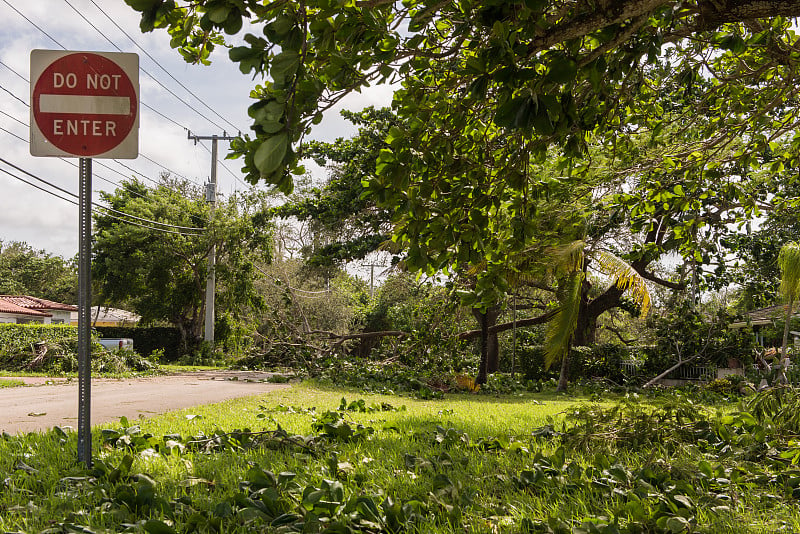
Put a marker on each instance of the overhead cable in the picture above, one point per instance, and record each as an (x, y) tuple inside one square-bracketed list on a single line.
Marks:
[(162, 67), (71, 194), (72, 201), (34, 24), (173, 121), (184, 102), (13, 95), (101, 164)]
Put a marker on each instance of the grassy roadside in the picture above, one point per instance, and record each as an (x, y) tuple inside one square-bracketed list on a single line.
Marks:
[(377, 463), (10, 383)]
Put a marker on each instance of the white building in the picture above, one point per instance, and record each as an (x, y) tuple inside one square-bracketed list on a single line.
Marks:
[(21, 309)]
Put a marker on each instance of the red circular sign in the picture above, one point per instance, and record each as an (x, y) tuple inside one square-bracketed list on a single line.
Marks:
[(84, 104)]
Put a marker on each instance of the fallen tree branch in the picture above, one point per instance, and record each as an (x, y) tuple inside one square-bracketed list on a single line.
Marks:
[(496, 329), (668, 371)]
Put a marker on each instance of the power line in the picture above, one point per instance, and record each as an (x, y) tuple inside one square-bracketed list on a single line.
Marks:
[(101, 177), (71, 201), (12, 70), (141, 68), (163, 167), (71, 194), (75, 164), (99, 163), (173, 121), (13, 118), (162, 67), (34, 24), (9, 132), (154, 110), (13, 95), (62, 159)]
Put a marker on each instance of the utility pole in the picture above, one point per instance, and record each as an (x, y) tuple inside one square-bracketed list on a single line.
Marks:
[(211, 198), (372, 276)]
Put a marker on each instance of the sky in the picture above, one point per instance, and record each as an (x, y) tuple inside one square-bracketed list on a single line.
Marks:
[(51, 224)]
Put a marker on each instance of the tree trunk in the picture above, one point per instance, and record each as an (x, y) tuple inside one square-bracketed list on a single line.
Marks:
[(490, 344), (482, 369), (563, 377), (785, 346)]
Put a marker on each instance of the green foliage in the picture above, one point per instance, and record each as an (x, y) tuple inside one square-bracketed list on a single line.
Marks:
[(789, 264), (54, 349), (685, 332), (523, 125), (340, 209), (162, 274), (25, 271), (148, 339), (593, 362), (626, 466)]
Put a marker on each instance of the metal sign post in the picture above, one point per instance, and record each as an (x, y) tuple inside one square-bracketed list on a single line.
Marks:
[(84, 105), (84, 311)]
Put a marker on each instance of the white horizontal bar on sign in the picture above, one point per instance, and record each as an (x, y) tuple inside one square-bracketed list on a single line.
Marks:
[(88, 105)]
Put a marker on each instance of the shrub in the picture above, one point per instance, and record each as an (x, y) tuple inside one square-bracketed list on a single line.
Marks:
[(597, 361), (21, 349), (147, 339)]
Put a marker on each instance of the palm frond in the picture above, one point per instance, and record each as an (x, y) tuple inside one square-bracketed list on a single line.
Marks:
[(562, 326), (627, 279), (789, 263), (567, 258)]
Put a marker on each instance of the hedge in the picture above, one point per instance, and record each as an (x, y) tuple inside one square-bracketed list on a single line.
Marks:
[(19, 343), (147, 339), (597, 361)]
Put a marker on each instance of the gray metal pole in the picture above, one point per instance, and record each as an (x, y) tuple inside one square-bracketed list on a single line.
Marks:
[(211, 281), (84, 311)]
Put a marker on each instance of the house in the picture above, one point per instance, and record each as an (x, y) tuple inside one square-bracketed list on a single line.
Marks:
[(766, 317), (22, 309), (104, 316)]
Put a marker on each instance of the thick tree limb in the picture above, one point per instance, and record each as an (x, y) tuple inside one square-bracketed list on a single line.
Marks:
[(660, 281), (496, 329)]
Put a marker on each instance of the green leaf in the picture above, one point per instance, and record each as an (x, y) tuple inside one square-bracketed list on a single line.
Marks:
[(154, 526), (562, 70), (143, 5), (284, 65), (270, 154), (219, 13)]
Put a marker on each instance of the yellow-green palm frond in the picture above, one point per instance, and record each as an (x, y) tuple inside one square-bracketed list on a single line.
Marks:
[(627, 279), (567, 258), (562, 326), (789, 262)]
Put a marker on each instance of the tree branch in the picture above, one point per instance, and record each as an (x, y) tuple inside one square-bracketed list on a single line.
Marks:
[(520, 323)]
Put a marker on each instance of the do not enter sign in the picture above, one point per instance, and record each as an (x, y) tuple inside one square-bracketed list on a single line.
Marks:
[(84, 104)]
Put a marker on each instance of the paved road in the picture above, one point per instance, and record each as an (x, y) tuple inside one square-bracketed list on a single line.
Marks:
[(42, 406)]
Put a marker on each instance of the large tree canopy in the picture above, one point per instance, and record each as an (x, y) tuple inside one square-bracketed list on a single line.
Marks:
[(486, 86), (518, 119), (25, 271), (155, 256)]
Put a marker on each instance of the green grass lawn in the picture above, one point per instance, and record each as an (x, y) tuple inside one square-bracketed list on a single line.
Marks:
[(468, 463)]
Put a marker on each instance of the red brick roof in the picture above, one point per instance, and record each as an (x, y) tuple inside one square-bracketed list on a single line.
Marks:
[(35, 304), (8, 307)]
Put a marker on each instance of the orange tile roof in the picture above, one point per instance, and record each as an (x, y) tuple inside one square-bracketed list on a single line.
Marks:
[(35, 303), (9, 307)]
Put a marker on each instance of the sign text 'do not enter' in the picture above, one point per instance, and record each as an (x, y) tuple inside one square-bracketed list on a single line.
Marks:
[(84, 104)]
